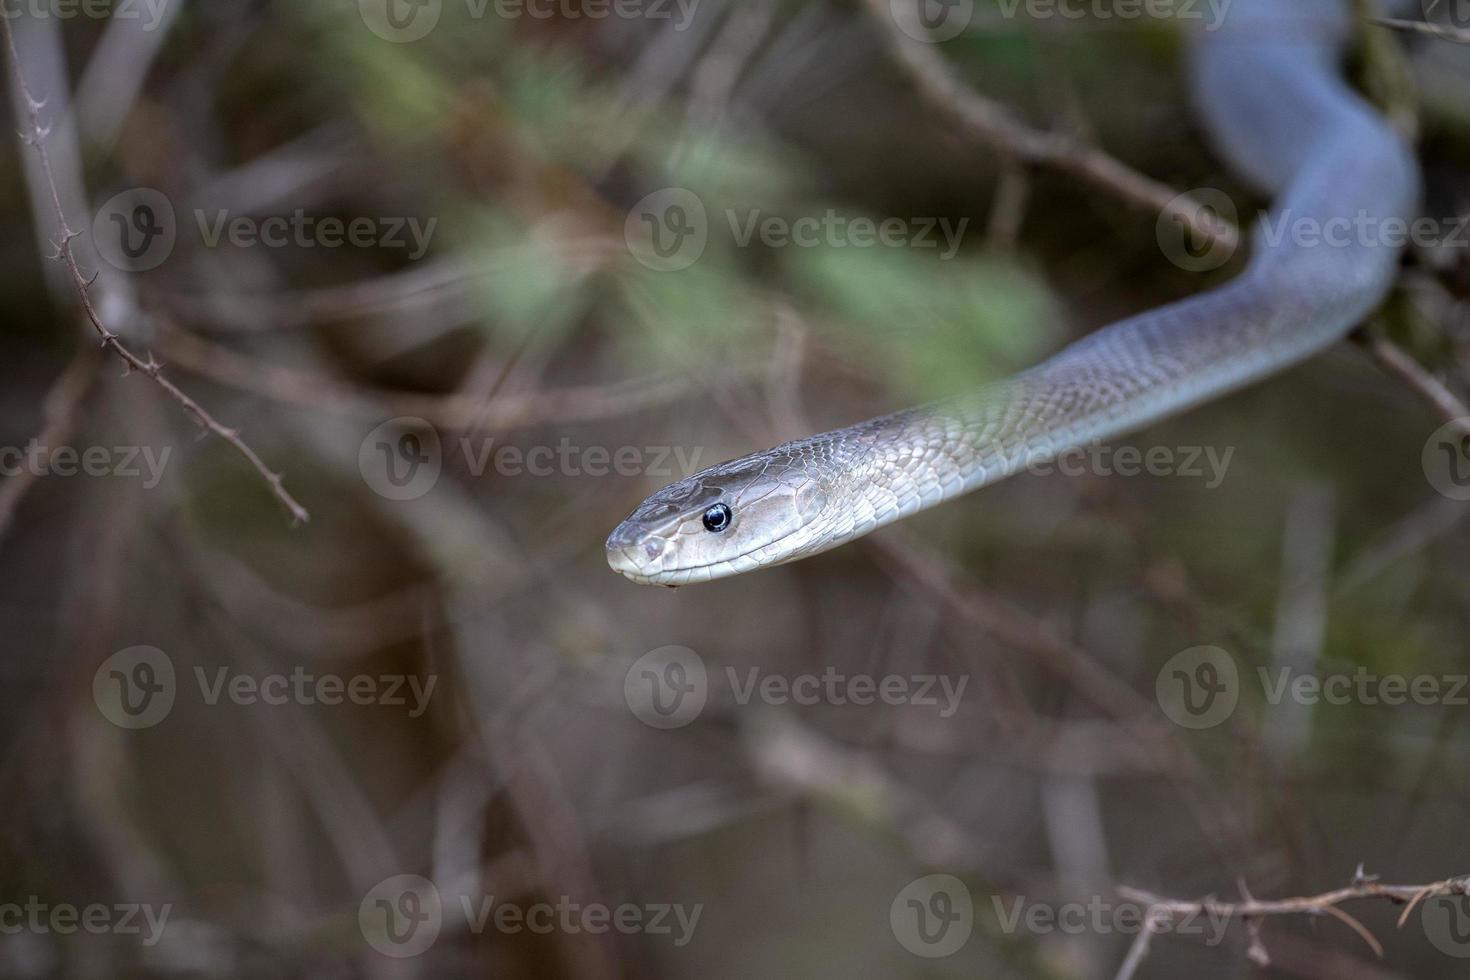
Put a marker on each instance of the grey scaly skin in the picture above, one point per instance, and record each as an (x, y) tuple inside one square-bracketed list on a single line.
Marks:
[(1268, 87)]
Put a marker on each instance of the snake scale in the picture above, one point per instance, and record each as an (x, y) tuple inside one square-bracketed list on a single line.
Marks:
[(1267, 84)]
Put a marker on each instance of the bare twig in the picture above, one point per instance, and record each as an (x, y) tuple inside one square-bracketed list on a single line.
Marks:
[(59, 419), (453, 412), (1136, 952), (996, 126), (1362, 887), (1456, 34), (35, 135), (1401, 365)]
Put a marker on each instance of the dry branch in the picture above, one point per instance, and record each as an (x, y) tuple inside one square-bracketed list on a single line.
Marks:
[(1456, 34), (993, 124), (35, 135), (1162, 910), (59, 411)]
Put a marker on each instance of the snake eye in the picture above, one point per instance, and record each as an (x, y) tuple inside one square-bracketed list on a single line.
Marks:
[(717, 518)]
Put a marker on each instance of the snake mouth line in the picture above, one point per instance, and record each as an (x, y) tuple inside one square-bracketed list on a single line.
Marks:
[(684, 576)]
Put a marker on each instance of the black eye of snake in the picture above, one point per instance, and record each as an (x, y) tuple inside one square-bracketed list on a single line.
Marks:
[(717, 518)]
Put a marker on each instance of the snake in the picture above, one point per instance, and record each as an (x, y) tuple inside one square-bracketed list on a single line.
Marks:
[(1268, 86)]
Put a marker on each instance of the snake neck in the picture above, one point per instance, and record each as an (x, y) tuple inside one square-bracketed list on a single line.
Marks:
[(1273, 99)]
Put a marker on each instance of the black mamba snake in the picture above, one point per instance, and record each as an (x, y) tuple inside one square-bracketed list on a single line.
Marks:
[(1268, 86)]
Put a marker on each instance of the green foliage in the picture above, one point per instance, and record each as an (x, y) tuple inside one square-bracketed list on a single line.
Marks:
[(933, 327)]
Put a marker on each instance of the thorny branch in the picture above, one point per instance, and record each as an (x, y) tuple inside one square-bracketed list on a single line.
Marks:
[(995, 125), (1250, 910), (35, 134)]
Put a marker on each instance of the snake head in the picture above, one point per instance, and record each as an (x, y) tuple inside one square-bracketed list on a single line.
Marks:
[(750, 512)]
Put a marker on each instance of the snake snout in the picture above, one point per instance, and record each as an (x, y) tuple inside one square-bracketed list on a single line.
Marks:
[(633, 552)]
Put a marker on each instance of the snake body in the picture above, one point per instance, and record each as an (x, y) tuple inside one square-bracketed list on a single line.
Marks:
[(1268, 87)]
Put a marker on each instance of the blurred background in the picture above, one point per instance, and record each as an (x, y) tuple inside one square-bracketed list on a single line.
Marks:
[(476, 277)]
